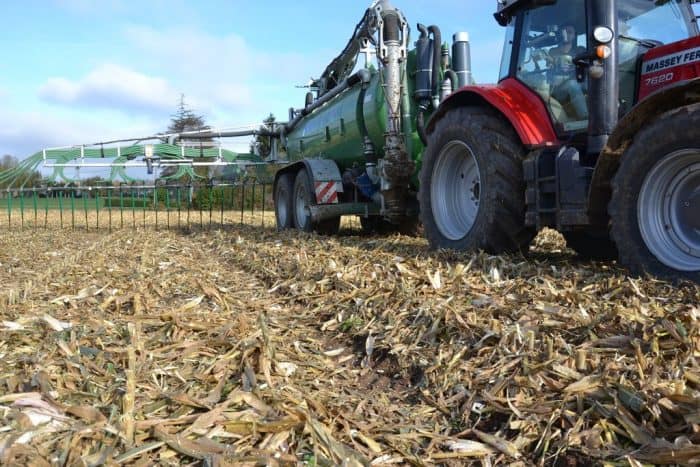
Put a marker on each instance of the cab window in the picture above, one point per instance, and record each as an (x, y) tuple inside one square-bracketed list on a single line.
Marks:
[(552, 37)]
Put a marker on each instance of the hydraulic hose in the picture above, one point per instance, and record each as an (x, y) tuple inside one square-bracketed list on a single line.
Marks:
[(420, 125), (454, 79), (437, 54), (368, 147)]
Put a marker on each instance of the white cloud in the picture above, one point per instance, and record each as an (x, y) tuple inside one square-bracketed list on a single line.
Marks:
[(25, 133), (226, 73), (112, 87)]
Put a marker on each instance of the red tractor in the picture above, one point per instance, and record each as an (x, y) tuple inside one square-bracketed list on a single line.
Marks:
[(593, 130)]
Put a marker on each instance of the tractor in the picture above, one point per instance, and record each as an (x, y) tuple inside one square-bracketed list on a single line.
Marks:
[(593, 130)]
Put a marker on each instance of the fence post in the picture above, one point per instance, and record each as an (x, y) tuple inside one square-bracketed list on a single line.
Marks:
[(36, 208), (9, 209), (242, 200), (46, 208), (262, 208), (85, 197), (72, 210), (60, 206), (21, 207), (97, 208)]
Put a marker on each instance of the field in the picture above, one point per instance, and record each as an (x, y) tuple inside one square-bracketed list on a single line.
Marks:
[(244, 346)]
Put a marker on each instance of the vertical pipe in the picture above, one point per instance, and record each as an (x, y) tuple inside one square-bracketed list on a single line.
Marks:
[(9, 209)]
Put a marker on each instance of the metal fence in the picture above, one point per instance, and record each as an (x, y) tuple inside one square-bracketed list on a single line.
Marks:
[(159, 206)]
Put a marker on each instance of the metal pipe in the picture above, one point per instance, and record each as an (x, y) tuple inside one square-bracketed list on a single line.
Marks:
[(461, 59), (359, 77)]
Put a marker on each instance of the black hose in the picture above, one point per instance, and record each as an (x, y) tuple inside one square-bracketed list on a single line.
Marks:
[(420, 126), (454, 79), (437, 54), (392, 26), (368, 147)]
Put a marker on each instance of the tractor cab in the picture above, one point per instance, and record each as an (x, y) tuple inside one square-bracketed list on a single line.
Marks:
[(583, 57)]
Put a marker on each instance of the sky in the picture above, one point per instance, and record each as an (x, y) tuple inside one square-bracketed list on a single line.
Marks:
[(83, 71)]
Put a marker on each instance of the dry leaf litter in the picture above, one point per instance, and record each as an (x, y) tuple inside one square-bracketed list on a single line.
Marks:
[(245, 346)]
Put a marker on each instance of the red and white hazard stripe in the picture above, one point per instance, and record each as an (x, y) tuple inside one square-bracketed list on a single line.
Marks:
[(327, 192)]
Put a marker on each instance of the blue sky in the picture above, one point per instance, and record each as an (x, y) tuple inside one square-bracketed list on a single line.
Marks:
[(81, 71)]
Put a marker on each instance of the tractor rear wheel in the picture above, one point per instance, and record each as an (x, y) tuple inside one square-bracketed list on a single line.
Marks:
[(655, 206), (283, 201), (303, 198), (472, 194)]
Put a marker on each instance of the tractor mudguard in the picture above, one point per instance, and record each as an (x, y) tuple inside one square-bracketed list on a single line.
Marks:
[(524, 110)]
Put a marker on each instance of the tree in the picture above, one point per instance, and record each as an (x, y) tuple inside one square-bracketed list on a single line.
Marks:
[(30, 179), (8, 162), (262, 144), (185, 120)]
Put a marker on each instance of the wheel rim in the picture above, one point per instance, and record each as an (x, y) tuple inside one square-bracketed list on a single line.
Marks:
[(455, 190), (669, 210), (282, 210), (301, 203)]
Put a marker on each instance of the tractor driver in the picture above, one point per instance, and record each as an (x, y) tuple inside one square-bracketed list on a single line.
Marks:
[(564, 86)]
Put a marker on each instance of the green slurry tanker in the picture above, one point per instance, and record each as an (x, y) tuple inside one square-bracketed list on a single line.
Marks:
[(355, 147)]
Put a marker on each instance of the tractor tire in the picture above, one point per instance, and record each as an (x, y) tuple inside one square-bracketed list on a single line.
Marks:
[(655, 204), (303, 197), (472, 194), (588, 245), (283, 202)]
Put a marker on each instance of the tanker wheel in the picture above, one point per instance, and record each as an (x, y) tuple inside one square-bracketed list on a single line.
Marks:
[(304, 197), (472, 194), (283, 201), (590, 245), (655, 206)]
